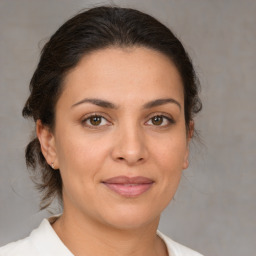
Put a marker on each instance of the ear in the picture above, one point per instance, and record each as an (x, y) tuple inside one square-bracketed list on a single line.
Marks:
[(47, 142), (190, 133)]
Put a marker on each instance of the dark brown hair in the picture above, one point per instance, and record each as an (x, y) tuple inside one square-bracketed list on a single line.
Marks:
[(88, 31)]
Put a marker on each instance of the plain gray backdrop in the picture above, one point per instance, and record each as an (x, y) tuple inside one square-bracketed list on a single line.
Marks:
[(214, 210)]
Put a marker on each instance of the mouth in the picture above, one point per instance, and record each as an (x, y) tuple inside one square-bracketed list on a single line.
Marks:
[(129, 186)]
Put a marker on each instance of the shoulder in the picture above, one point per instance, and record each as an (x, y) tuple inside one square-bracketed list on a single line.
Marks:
[(20, 247), (176, 249), (27, 246), (43, 241)]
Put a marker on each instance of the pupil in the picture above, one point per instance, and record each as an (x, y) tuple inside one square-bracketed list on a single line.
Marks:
[(157, 120), (95, 120)]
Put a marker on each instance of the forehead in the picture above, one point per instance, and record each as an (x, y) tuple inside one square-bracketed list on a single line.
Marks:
[(123, 74)]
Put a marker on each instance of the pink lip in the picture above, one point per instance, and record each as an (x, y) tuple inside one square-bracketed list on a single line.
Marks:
[(129, 186)]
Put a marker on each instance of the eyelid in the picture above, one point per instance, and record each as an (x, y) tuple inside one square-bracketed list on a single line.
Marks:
[(98, 114), (164, 115)]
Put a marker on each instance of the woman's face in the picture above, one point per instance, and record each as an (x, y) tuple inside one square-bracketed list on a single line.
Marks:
[(120, 138)]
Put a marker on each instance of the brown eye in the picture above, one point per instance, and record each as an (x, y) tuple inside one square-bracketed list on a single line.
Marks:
[(157, 120), (95, 120), (160, 120)]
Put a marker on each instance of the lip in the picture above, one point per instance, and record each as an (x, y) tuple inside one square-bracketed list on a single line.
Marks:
[(129, 186)]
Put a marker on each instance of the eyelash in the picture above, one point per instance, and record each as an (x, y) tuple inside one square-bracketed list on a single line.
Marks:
[(165, 118), (88, 117)]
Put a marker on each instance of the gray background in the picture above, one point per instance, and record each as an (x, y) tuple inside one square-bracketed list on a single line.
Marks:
[(214, 208)]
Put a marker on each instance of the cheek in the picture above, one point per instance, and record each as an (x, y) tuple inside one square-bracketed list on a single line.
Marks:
[(79, 165), (170, 152), (80, 157), (169, 159)]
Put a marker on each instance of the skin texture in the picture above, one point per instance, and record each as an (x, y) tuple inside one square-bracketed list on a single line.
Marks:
[(127, 140)]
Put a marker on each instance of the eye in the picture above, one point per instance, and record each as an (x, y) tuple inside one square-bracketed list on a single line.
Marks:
[(95, 121), (160, 120)]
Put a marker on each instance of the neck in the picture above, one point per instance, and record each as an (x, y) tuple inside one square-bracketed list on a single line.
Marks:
[(87, 237)]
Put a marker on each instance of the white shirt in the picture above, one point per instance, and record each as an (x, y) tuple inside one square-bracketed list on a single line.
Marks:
[(43, 241)]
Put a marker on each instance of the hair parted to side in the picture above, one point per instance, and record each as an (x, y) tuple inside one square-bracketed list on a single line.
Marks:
[(94, 29)]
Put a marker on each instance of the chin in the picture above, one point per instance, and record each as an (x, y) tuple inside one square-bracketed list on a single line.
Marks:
[(130, 218), (131, 223)]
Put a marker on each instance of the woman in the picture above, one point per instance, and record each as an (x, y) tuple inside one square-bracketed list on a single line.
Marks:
[(113, 99)]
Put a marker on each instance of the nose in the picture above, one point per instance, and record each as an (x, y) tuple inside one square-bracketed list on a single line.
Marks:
[(130, 146)]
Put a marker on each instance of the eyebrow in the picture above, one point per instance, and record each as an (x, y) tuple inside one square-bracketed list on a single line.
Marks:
[(97, 102), (160, 102), (107, 104)]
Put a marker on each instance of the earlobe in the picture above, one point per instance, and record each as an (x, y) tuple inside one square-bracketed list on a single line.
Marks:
[(47, 142), (189, 137), (186, 161), (185, 164), (191, 130)]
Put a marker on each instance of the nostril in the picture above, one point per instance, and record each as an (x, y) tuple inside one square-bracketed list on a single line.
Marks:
[(123, 158)]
